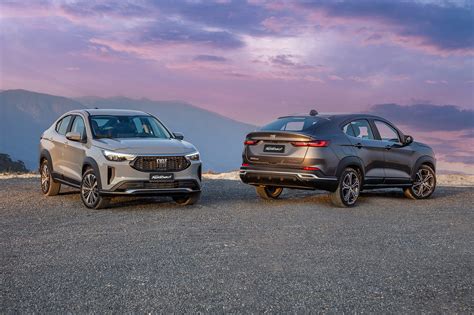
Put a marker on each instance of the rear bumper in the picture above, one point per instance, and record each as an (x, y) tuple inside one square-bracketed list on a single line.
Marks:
[(290, 178)]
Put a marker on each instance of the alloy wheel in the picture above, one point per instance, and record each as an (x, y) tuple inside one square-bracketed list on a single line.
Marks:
[(90, 193), (350, 188), (45, 177), (424, 183)]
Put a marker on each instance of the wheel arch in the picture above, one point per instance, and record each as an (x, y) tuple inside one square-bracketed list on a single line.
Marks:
[(91, 163), (350, 161), (423, 160), (44, 154)]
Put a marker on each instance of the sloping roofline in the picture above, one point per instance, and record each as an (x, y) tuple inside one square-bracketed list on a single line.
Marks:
[(335, 117), (114, 112)]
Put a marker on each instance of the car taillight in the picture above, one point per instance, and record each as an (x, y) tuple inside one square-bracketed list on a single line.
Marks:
[(314, 143), (310, 168), (245, 164), (250, 142)]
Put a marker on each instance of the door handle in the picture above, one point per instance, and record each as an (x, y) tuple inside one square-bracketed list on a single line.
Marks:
[(358, 145)]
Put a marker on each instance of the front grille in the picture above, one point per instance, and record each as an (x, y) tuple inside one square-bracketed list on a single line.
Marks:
[(192, 184), (160, 163)]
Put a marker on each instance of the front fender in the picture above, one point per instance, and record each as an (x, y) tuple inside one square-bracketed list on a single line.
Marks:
[(88, 161)]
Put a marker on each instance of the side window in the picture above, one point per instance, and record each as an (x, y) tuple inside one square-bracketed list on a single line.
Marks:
[(358, 129), (62, 125), (387, 133), (78, 126), (347, 129)]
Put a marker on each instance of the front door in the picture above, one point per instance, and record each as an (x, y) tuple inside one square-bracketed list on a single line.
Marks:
[(398, 157)]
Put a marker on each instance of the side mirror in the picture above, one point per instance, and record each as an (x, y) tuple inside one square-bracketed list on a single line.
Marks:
[(74, 136), (408, 140), (178, 135)]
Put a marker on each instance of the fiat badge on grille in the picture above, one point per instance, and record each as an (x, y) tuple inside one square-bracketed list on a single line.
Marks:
[(161, 163)]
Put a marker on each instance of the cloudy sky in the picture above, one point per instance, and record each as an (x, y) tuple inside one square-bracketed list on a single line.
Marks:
[(255, 60)]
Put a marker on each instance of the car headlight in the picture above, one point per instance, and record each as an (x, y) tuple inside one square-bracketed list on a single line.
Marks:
[(193, 156), (118, 157)]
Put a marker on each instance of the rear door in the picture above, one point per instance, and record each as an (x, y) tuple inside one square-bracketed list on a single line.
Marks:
[(59, 142), (74, 151), (368, 149)]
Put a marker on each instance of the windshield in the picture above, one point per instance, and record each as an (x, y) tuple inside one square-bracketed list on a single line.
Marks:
[(297, 124), (109, 126)]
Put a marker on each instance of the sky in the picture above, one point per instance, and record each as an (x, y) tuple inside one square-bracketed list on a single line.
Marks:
[(256, 60)]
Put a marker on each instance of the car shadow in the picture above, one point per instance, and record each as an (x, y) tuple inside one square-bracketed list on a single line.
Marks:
[(440, 192), (216, 192)]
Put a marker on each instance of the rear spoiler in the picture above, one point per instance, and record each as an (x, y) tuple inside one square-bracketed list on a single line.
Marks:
[(278, 136)]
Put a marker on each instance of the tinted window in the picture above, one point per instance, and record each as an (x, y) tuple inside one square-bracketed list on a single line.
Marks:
[(358, 129), (108, 126), (386, 131), (292, 124), (79, 127), (62, 125)]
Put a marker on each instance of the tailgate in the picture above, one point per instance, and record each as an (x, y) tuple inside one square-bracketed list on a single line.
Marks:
[(276, 148)]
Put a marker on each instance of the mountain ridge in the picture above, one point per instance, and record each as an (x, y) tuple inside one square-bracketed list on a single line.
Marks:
[(27, 114)]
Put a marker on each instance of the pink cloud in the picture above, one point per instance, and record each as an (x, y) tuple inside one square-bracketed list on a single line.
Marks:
[(376, 31), (334, 77), (436, 81)]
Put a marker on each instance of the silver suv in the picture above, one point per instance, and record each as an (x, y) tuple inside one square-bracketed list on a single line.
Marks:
[(118, 152)]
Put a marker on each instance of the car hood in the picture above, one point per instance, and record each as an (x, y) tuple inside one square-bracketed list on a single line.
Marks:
[(145, 146)]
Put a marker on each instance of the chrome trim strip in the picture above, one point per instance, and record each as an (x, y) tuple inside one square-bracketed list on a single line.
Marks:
[(300, 175), (149, 190), (164, 154), (132, 191)]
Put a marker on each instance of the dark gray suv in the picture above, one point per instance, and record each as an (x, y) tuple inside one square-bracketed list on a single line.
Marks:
[(342, 154)]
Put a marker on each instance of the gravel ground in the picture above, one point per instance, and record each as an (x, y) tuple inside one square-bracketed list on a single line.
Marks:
[(236, 253)]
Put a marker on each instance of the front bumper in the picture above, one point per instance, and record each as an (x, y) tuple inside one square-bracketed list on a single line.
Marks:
[(119, 178), (287, 178), (176, 187)]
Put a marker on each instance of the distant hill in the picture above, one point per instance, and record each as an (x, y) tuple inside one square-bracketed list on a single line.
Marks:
[(27, 114), (8, 165)]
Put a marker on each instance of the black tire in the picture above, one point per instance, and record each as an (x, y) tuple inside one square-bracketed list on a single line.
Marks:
[(48, 186), (187, 200), (269, 192), (90, 195), (424, 184), (348, 189)]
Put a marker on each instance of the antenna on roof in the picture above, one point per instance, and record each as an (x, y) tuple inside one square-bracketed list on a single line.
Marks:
[(313, 112)]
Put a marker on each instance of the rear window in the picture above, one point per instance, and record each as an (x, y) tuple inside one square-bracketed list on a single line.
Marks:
[(297, 124)]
